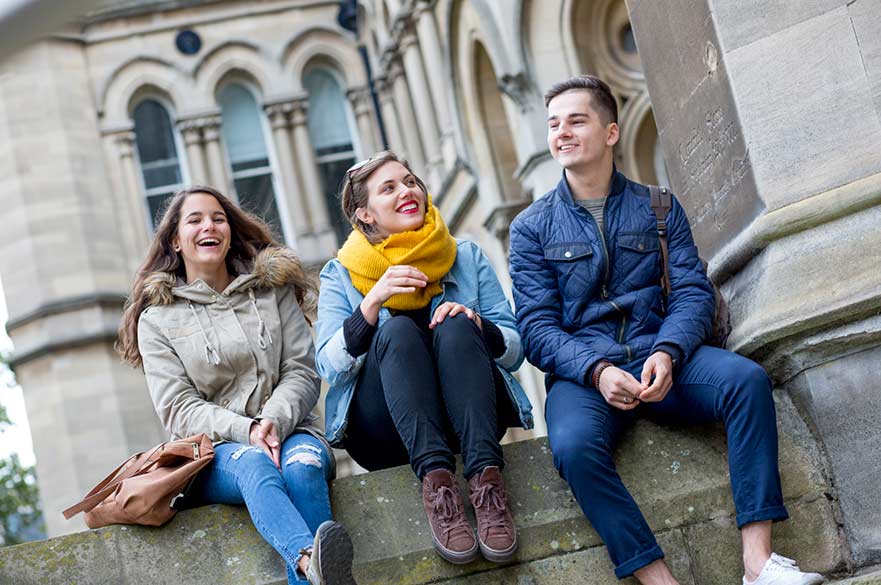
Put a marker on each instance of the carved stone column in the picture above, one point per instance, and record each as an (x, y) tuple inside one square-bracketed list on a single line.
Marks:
[(131, 199), (313, 188), (362, 106), (422, 101), (191, 132), (409, 125), (297, 207), (432, 56), (389, 114), (773, 149), (217, 167)]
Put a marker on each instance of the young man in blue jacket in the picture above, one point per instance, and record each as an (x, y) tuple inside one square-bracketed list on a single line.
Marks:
[(586, 271)]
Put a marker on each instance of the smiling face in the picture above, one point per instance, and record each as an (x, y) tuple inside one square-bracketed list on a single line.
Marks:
[(395, 202), (579, 137), (203, 235)]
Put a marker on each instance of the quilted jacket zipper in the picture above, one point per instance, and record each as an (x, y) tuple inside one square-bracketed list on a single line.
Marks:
[(604, 291)]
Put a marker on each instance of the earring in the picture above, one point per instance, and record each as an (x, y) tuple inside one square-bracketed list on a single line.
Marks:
[(177, 248)]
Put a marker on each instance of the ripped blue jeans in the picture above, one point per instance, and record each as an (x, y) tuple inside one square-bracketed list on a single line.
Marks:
[(286, 506)]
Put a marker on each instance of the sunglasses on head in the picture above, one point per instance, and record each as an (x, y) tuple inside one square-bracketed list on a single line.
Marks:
[(358, 165)]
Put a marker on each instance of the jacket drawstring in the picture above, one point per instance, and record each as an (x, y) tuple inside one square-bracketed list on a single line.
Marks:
[(212, 356), (262, 329)]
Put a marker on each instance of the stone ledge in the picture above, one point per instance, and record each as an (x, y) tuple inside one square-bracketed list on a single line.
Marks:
[(679, 478)]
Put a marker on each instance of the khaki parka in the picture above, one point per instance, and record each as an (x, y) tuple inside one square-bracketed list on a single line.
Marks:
[(216, 362)]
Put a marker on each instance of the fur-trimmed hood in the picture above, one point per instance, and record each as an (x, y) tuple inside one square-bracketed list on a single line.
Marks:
[(272, 267)]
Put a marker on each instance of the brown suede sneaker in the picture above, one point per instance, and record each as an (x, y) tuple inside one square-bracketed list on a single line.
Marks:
[(495, 526), (452, 535)]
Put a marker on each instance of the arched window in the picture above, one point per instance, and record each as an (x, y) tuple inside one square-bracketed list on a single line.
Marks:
[(242, 129), (157, 153), (331, 135)]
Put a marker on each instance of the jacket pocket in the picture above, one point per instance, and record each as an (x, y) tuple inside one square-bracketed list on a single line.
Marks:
[(641, 243), (639, 259), (573, 263), (568, 252)]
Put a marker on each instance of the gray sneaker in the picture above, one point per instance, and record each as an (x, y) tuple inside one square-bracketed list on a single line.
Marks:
[(330, 561)]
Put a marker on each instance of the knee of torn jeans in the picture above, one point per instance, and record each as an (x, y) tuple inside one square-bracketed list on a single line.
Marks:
[(305, 454), (242, 450)]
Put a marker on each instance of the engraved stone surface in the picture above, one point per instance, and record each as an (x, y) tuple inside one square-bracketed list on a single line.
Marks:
[(698, 122)]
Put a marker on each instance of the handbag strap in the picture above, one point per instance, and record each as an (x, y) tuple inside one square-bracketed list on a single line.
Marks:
[(661, 202), (108, 484)]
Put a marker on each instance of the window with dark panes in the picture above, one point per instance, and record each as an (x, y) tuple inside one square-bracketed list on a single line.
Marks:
[(157, 154), (331, 135), (242, 128)]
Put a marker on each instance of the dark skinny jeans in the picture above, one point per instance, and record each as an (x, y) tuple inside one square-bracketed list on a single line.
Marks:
[(423, 397)]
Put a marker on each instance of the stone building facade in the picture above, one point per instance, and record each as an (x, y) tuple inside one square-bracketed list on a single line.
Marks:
[(270, 101), (769, 126)]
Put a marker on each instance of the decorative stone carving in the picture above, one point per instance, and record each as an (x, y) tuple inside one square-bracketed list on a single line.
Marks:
[(519, 89)]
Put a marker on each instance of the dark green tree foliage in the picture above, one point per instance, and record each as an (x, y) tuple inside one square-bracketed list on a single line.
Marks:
[(20, 516)]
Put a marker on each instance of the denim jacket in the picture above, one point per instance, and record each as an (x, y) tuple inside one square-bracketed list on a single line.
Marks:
[(471, 282)]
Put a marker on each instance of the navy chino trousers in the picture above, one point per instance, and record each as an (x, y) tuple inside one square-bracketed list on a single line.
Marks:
[(713, 385)]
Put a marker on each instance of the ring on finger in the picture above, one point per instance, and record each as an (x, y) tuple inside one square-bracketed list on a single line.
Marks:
[(626, 400)]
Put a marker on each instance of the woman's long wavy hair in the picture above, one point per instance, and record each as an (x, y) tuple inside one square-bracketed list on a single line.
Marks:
[(248, 236)]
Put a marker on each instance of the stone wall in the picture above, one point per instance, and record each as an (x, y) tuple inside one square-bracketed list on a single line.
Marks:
[(679, 478)]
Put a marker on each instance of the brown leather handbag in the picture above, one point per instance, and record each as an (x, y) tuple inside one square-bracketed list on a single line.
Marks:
[(148, 487)]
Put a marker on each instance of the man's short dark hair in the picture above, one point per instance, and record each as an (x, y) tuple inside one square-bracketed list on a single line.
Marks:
[(603, 100)]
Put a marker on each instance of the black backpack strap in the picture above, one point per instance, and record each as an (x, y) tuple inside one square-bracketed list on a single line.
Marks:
[(662, 202)]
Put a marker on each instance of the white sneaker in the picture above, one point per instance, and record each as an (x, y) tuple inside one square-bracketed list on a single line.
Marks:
[(782, 571)]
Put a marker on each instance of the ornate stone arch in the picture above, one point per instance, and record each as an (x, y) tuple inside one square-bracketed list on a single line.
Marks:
[(487, 127), (241, 59), (594, 33), (324, 42), (639, 155), (547, 37), (131, 79)]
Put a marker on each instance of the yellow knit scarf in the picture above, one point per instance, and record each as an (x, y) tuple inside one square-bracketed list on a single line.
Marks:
[(431, 249)]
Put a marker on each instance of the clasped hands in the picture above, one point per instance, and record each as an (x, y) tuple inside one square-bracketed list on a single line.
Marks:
[(623, 391), (404, 279)]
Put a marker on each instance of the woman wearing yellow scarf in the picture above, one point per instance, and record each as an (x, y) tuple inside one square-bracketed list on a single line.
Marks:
[(418, 342)]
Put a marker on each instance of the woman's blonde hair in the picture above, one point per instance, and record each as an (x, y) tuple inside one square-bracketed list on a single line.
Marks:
[(248, 236), (354, 193)]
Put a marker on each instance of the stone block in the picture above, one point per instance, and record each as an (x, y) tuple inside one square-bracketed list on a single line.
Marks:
[(810, 536), (767, 17), (585, 567), (693, 100), (80, 559), (787, 290), (866, 18), (841, 398), (786, 90), (873, 578)]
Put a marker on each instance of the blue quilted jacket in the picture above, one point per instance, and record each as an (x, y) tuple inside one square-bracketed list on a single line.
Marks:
[(582, 296)]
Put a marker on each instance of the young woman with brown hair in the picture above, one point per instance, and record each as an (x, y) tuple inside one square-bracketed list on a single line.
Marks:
[(216, 318), (417, 341)]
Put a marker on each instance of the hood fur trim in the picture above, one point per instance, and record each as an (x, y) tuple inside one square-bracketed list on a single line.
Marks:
[(277, 266), (157, 288), (272, 267)]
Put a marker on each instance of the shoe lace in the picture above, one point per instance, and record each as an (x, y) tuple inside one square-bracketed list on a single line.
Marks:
[(489, 503), (443, 501), (781, 564)]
